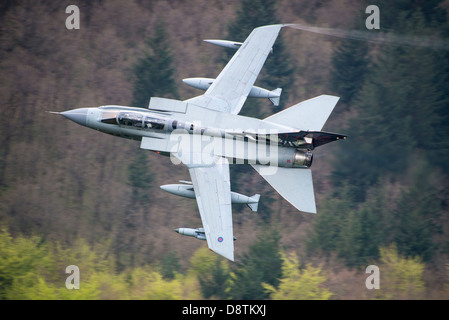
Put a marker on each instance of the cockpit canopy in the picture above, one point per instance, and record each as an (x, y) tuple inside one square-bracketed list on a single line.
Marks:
[(135, 120), (154, 123), (130, 119)]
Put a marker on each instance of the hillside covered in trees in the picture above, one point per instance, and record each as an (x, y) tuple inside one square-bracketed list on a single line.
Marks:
[(72, 196)]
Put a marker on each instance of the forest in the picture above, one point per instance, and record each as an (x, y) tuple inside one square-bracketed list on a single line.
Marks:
[(70, 196)]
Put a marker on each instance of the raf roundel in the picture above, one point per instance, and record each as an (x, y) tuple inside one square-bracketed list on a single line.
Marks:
[(220, 239)]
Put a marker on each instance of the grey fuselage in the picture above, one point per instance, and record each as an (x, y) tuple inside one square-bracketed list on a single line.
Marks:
[(137, 123)]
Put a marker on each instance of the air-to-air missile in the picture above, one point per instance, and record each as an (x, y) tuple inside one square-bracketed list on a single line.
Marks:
[(196, 233)]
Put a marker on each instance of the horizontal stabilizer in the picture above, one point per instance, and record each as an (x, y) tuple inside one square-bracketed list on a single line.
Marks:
[(294, 184), (310, 115)]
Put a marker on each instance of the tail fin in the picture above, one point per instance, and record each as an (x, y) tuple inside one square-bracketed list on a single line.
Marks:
[(255, 204), (310, 115), (277, 93), (294, 184)]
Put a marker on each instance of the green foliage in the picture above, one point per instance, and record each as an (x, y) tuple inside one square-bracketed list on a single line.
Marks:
[(262, 264), (400, 124), (412, 219), (400, 278), (150, 285), (170, 265), (202, 261), (354, 233), (212, 272), (31, 270), (19, 259), (140, 178), (401, 98), (125, 243), (415, 221), (296, 284), (328, 225), (253, 14), (350, 65), (361, 235), (153, 74)]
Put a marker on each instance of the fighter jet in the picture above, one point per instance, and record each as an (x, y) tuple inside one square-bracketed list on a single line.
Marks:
[(206, 134)]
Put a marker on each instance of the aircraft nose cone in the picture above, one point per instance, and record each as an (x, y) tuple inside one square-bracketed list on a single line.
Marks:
[(77, 115)]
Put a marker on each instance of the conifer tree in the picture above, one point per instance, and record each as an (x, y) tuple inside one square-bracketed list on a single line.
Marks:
[(350, 64), (400, 111), (153, 73), (262, 264), (140, 178), (415, 221), (214, 283)]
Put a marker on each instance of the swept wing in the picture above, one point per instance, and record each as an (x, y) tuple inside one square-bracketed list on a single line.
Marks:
[(213, 195), (229, 91), (227, 94)]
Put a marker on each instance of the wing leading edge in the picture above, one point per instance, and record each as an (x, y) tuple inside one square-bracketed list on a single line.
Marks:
[(229, 91)]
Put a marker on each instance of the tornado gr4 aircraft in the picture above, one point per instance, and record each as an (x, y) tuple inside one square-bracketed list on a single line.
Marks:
[(206, 134)]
